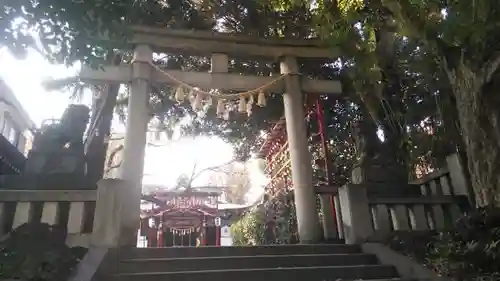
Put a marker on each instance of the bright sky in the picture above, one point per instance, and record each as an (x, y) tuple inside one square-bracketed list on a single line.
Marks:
[(25, 76), (163, 164)]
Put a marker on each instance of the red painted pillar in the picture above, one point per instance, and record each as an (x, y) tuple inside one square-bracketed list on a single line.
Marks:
[(204, 232), (160, 241), (334, 212), (217, 236), (320, 116)]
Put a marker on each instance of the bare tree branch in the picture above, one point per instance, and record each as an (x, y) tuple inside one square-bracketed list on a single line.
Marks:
[(115, 166), (213, 168), (192, 177), (112, 155)]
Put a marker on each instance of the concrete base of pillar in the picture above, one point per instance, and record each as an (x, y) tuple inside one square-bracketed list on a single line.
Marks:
[(117, 214)]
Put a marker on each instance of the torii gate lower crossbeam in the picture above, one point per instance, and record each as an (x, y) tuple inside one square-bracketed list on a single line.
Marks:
[(135, 139)]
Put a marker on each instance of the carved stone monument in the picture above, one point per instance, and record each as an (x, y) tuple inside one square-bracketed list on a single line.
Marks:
[(377, 165), (58, 148)]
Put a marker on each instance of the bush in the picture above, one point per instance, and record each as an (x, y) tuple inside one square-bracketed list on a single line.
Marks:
[(272, 222), (412, 244), (37, 251), (471, 251), (249, 230)]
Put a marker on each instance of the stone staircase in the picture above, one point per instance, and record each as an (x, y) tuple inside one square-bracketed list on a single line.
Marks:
[(281, 262)]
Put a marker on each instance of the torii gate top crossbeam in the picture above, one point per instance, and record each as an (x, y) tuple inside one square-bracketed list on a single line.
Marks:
[(194, 42)]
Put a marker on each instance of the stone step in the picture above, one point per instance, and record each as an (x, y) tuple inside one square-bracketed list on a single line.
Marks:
[(318, 273), (246, 262), (180, 252)]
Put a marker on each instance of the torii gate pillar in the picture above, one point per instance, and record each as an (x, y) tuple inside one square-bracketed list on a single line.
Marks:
[(137, 116), (134, 148), (305, 197)]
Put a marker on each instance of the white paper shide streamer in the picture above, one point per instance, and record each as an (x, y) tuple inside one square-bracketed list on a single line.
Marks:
[(261, 99), (242, 106), (200, 100), (180, 95)]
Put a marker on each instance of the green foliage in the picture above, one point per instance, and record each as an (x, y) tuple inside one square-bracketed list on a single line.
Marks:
[(350, 26), (37, 251), (340, 114), (69, 31), (273, 222), (389, 76), (471, 251), (453, 42), (249, 230)]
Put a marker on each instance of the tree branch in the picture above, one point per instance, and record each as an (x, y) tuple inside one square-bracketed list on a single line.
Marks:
[(213, 168), (109, 168), (112, 156), (192, 174)]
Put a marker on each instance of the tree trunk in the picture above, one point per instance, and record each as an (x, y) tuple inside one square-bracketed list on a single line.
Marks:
[(454, 141), (101, 119), (97, 147), (390, 104), (479, 115)]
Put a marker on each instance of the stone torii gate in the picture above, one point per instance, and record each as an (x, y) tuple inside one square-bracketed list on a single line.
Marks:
[(141, 74)]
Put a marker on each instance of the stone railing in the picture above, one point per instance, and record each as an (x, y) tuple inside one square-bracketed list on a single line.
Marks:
[(444, 197), (92, 217), (71, 208), (448, 180), (403, 214)]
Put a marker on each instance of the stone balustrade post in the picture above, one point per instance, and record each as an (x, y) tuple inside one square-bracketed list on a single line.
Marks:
[(356, 216), (459, 183), (115, 222)]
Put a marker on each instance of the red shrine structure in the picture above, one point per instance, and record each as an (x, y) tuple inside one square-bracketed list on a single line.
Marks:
[(277, 156), (275, 151), (191, 217)]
